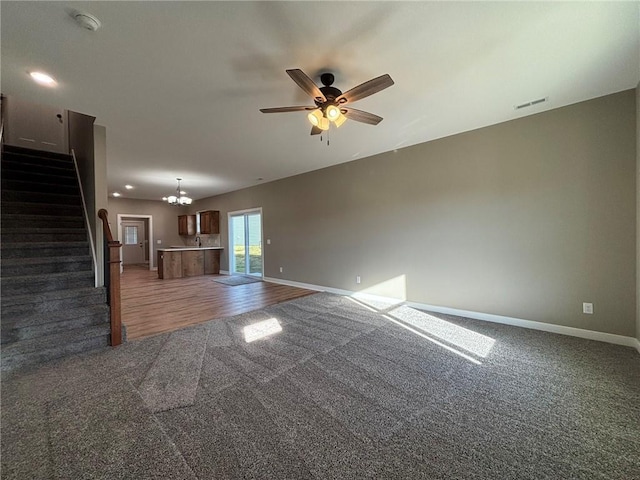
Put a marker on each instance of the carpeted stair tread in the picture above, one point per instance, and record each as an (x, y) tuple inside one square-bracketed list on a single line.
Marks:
[(40, 178), (41, 265), (24, 170), (18, 235), (15, 321), (47, 282), (18, 220), (49, 303), (43, 325), (42, 349), (44, 249), (41, 197), (35, 208), (28, 185), (41, 230), (51, 341), (13, 150)]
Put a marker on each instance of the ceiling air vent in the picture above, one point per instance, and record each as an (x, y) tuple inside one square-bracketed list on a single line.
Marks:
[(531, 103)]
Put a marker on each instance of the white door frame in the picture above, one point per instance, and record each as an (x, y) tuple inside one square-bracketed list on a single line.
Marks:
[(230, 232), (119, 218)]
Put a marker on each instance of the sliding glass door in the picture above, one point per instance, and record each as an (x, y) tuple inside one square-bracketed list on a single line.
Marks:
[(245, 230)]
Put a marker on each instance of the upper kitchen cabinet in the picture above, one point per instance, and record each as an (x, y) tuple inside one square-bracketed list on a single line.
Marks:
[(186, 224), (39, 127), (210, 222)]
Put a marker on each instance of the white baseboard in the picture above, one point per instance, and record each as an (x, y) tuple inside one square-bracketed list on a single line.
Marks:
[(224, 272), (516, 322)]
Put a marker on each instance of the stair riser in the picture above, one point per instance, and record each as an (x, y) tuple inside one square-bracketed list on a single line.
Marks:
[(40, 187), (43, 237), (39, 178), (27, 251), (15, 285), (9, 335), (53, 307), (26, 223), (12, 362), (43, 268), (17, 321), (41, 209), (24, 154), (27, 169), (37, 197)]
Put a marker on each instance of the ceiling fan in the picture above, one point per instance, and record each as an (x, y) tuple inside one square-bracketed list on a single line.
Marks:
[(330, 103)]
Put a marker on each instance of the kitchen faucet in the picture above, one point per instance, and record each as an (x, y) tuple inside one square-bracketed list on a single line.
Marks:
[(198, 242)]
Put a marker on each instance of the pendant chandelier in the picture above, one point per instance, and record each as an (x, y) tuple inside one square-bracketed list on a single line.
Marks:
[(179, 198)]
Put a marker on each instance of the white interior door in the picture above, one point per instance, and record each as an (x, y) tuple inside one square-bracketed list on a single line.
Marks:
[(133, 242), (246, 243)]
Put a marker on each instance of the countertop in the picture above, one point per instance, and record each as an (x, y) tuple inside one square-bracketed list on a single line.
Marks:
[(179, 249)]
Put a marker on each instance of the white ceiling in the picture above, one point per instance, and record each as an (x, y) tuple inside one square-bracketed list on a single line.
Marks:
[(178, 85)]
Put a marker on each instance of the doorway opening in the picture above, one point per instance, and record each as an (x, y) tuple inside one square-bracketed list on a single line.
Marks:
[(245, 240), (135, 233)]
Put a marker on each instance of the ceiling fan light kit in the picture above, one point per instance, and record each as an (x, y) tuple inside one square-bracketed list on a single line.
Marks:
[(329, 101)]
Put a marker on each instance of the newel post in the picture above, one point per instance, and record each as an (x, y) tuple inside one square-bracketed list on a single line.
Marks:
[(112, 278), (114, 292)]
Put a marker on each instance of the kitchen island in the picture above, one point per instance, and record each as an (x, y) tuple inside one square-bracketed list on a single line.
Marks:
[(178, 262)]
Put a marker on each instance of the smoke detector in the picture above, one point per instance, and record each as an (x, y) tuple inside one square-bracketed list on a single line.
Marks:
[(86, 20)]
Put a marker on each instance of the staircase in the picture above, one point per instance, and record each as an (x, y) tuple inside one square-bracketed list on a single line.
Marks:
[(50, 307)]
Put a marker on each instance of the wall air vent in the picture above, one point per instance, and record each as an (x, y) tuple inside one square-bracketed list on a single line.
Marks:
[(531, 103)]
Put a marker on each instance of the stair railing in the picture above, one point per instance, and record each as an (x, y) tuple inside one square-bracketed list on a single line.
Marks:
[(112, 278), (86, 217)]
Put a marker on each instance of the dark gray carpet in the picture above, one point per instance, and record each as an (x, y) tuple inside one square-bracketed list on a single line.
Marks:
[(335, 390), (235, 280)]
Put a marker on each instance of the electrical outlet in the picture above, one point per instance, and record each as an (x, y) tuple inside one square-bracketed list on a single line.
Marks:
[(280, 269), (159, 242), (587, 308), (357, 278), (268, 241)]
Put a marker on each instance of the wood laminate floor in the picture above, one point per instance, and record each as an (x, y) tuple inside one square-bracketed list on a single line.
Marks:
[(151, 306)]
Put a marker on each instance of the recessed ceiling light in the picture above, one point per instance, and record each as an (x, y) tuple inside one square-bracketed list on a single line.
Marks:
[(43, 78), (128, 187), (116, 194)]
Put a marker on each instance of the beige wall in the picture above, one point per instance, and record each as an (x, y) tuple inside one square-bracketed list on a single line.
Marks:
[(165, 220), (526, 219), (638, 212)]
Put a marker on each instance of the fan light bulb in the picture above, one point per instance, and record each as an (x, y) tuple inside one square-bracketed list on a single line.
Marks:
[(315, 117), (333, 113), (324, 124), (340, 120)]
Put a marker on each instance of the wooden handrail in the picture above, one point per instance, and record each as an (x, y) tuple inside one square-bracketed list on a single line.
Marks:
[(112, 258)]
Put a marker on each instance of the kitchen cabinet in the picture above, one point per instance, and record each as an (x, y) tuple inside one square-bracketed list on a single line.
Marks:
[(188, 262), (210, 222), (186, 224), (169, 264), (211, 262), (192, 263)]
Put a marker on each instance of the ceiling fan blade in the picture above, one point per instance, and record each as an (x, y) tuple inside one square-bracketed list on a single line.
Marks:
[(360, 116), (365, 89), (306, 84), (315, 130), (285, 109)]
